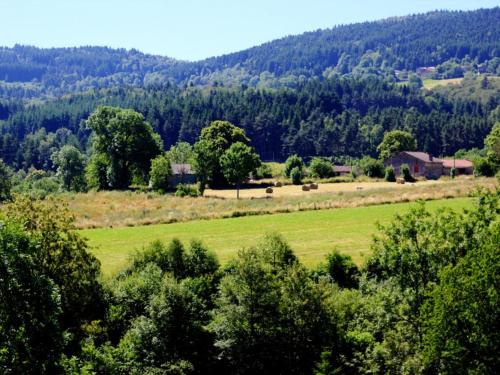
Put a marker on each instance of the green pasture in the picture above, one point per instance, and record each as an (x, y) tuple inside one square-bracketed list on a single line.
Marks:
[(312, 234), (430, 84)]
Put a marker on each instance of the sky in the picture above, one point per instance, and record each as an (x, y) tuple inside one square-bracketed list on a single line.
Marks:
[(191, 29)]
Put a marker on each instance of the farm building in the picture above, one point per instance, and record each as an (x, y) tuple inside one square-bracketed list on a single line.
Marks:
[(182, 174), (341, 170), (423, 164), (461, 166), (420, 164)]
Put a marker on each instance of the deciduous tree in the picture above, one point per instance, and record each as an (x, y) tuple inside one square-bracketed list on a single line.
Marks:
[(70, 165), (237, 163), (395, 141), (128, 142)]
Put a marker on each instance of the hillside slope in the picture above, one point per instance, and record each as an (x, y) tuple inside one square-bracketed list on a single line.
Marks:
[(458, 40)]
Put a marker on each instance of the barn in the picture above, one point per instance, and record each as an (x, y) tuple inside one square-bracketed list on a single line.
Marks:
[(461, 166), (420, 164)]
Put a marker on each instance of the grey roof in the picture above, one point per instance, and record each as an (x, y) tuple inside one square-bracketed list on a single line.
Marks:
[(178, 169)]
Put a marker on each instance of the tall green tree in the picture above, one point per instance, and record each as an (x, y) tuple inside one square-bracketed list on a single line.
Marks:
[(64, 258), (462, 318), (204, 160), (270, 317), (5, 182), (237, 163), (128, 142), (492, 143), (70, 164), (31, 337), (216, 139), (395, 141)]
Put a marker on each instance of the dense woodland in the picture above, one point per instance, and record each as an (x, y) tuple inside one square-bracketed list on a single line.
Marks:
[(334, 117), (454, 42)]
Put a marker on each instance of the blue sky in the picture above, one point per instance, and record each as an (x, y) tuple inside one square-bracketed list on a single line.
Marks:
[(191, 29)]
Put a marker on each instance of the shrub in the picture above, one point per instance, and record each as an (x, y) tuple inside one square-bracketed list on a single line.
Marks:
[(483, 167), (292, 162), (372, 167), (37, 184), (160, 171), (264, 171), (341, 269), (296, 176), (5, 181), (96, 172), (453, 172), (390, 176), (321, 168), (184, 190), (405, 172)]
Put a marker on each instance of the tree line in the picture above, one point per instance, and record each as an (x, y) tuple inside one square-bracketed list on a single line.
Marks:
[(334, 117)]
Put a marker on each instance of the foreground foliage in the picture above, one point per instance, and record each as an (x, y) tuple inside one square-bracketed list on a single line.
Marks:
[(426, 302)]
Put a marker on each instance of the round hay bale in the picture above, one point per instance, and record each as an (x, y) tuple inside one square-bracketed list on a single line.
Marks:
[(278, 184), (400, 180), (305, 188), (313, 186), (269, 190)]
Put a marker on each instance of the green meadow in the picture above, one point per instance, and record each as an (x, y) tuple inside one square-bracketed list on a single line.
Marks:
[(312, 234)]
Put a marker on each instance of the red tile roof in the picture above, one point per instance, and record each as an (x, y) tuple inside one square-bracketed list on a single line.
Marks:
[(342, 169), (423, 156), (459, 163)]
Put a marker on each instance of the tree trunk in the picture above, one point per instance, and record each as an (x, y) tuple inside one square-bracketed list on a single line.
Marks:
[(237, 190)]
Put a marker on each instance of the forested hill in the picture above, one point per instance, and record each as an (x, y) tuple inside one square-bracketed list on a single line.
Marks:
[(454, 42), (340, 116)]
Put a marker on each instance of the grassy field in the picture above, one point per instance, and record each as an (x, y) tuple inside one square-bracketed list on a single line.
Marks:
[(312, 234), (429, 84), (121, 209)]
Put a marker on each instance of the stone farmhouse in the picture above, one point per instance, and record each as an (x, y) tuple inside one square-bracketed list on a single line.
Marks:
[(425, 165)]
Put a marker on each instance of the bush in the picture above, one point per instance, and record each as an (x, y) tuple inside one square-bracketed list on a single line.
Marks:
[(372, 167), (296, 176), (390, 176), (321, 168), (264, 171), (483, 167), (160, 171), (184, 190), (37, 184), (96, 172), (453, 172), (341, 269), (405, 172), (292, 162)]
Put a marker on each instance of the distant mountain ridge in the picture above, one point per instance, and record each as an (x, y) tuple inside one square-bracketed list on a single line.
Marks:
[(457, 40)]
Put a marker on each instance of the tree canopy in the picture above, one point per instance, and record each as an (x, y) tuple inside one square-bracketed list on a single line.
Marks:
[(125, 143), (215, 140), (396, 141), (237, 162)]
